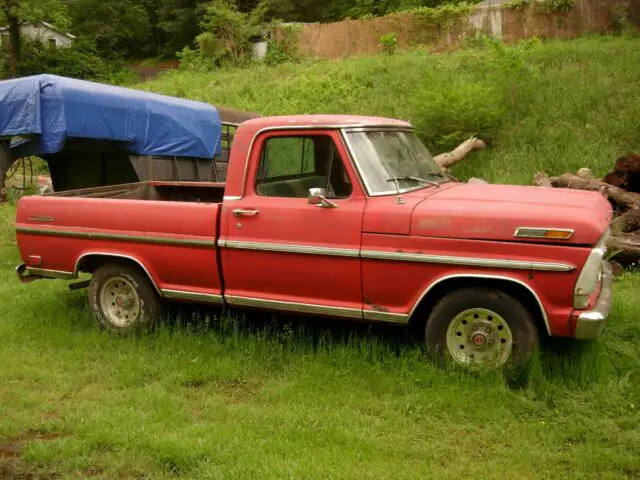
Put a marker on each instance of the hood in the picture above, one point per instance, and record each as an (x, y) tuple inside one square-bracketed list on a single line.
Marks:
[(494, 212)]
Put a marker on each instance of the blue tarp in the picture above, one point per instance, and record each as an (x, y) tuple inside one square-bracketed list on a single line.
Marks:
[(57, 108)]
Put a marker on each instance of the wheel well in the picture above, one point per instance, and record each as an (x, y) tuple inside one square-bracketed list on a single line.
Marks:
[(91, 262), (510, 287)]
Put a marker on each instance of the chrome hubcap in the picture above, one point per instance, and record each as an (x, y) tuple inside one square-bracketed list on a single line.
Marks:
[(120, 302), (480, 337)]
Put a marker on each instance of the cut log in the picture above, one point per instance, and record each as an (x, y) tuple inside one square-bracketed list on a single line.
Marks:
[(446, 160), (585, 173), (624, 249), (624, 243), (542, 180), (626, 173), (627, 222), (620, 197), (477, 181)]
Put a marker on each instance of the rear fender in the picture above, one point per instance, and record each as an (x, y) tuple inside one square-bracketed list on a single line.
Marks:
[(104, 256)]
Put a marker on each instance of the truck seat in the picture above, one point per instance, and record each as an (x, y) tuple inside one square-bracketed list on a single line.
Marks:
[(295, 188)]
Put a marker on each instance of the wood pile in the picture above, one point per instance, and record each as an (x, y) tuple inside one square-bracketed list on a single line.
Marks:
[(622, 188)]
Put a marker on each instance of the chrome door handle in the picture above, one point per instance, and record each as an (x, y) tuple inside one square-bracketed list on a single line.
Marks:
[(239, 212)]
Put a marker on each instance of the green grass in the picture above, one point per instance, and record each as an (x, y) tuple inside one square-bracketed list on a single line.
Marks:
[(552, 106), (210, 397), (252, 398)]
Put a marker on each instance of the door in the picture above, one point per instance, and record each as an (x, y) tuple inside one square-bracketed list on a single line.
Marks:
[(281, 252)]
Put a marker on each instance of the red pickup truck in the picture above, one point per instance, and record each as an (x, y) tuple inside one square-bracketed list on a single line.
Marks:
[(337, 216)]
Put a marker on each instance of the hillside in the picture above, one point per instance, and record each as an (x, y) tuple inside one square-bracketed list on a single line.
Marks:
[(543, 105), (213, 395)]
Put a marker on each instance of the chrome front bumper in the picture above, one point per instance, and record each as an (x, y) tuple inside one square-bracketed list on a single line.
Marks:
[(590, 324)]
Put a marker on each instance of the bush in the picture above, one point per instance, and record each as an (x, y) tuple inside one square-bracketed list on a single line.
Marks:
[(226, 35), (620, 24), (80, 60), (389, 43), (284, 48)]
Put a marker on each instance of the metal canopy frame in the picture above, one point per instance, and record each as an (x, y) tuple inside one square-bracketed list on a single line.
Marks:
[(6, 160)]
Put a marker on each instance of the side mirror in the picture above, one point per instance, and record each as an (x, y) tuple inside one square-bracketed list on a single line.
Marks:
[(318, 197)]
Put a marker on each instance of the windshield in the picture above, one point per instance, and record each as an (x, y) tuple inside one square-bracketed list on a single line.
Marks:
[(383, 156)]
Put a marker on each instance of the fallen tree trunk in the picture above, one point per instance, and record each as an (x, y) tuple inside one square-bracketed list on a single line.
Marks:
[(542, 180), (627, 222), (620, 197), (446, 160), (624, 249), (624, 242)]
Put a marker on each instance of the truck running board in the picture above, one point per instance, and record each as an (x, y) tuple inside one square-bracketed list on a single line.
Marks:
[(79, 285)]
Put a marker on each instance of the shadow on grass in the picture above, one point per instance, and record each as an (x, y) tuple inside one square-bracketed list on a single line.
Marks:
[(560, 361), (565, 362), (296, 330)]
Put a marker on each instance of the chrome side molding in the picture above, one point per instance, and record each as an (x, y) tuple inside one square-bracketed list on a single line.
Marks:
[(250, 302), (57, 232), (468, 261), (284, 248), (398, 256), (192, 296)]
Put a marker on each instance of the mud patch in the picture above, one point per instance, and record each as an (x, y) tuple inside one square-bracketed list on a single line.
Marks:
[(92, 471), (234, 389), (11, 468), (36, 434), (238, 391), (195, 383), (8, 451)]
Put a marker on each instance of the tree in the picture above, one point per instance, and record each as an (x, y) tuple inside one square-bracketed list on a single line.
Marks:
[(118, 27), (227, 31), (14, 12), (179, 21)]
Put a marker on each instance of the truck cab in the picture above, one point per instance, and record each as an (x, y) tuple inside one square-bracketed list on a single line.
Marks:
[(345, 217)]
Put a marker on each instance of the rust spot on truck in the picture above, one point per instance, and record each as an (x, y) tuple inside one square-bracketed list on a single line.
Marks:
[(480, 229), (44, 219), (374, 307), (434, 223), (379, 308)]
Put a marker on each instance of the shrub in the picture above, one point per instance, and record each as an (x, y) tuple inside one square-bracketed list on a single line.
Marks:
[(558, 6), (284, 48), (226, 35), (80, 60), (389, 43), (619, 20)]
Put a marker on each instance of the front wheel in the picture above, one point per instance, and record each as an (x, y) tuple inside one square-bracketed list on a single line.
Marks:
[(481, 327), (122, 298)]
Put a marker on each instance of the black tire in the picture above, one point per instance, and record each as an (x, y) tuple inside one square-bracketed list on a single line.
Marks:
[(520, 322), (144, 313)]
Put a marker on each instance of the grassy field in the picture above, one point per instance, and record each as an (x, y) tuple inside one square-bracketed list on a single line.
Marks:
[(543, 106), (235, 397)]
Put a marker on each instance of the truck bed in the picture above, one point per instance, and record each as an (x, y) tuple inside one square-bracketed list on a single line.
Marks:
[(199, 192), (169, 229)]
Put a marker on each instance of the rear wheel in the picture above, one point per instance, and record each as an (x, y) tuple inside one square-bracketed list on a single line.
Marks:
[(122, 298), (481, 327)]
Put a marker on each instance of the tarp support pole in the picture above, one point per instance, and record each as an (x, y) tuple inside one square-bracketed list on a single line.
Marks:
[(6, 160)]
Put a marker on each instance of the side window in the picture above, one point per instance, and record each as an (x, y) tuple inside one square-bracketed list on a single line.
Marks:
[(290, 166), (286, 156)]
